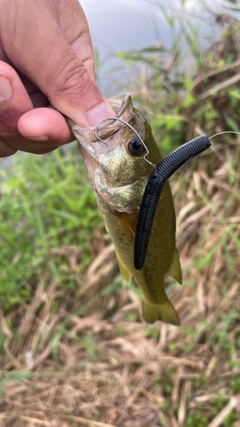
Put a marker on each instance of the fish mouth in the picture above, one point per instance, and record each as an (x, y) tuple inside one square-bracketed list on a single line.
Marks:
[(92, 139)]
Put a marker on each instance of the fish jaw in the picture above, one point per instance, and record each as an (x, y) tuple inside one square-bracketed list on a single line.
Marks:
[(88, 137)]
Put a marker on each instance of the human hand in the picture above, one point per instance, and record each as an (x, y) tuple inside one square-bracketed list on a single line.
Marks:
[(46, 59)]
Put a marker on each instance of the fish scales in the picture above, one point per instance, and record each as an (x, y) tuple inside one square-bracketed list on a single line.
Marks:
[(118, 174)]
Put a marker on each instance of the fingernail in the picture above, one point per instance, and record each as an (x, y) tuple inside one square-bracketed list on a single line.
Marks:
[(42, 138), (5, 89), (100, 112)]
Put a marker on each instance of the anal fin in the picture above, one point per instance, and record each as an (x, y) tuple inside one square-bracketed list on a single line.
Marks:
[(175, 268)]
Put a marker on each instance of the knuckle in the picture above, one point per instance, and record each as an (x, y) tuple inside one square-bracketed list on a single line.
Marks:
[(8, 121), (6, 150), (73, 80)]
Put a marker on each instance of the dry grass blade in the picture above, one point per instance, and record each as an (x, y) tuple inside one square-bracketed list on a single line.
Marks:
[(35, 421), (219, 419), (226, 84), (215, 72), (183, 403), (85, 422)]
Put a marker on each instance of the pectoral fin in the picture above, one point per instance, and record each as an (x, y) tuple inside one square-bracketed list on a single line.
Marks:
[(125, 272), (175, 268), (127, 222)]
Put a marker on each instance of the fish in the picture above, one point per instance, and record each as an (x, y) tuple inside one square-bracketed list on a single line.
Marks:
[(119, 164)]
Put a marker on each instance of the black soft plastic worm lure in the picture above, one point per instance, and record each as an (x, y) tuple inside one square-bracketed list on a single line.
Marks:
[(162, 172)]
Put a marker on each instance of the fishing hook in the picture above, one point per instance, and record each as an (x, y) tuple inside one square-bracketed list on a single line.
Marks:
[(131, 127), (162, 172)]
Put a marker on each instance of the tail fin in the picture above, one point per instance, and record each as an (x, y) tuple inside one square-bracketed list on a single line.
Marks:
[(165, 312)]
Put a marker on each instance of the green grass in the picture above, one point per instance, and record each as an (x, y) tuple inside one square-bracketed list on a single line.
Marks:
[(46, 202)]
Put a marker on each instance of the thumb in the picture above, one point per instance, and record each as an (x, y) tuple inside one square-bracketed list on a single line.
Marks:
[(50, 61), (69, 87), (75, 94)]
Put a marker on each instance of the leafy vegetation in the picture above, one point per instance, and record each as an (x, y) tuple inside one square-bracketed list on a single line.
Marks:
[(74, 350)]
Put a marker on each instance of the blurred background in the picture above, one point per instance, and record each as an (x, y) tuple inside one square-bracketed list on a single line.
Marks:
[(74, 350), (142, 24)]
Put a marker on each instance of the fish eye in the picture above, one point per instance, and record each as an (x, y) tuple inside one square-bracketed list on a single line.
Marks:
[(136, 147)]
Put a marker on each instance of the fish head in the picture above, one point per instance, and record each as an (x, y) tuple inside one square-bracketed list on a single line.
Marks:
[(115, 148)]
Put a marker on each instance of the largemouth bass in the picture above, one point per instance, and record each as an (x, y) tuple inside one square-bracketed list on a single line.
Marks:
[(119, 173)]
